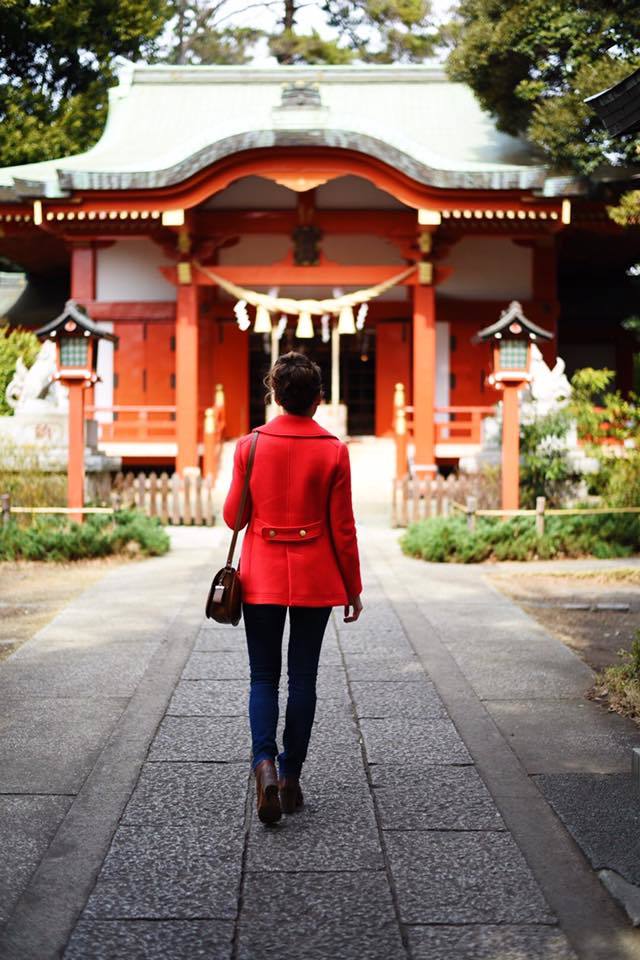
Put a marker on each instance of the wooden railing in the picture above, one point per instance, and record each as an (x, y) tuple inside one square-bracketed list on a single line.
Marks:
[(463, 424), (135, 424), (148, 424), (453, 425)]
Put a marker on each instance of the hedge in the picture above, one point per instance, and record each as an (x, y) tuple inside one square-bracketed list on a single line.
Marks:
[(448, 539), (55, 538)]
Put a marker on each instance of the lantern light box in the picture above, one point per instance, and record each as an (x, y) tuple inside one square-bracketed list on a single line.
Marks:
[(77, 337), (512, 336)]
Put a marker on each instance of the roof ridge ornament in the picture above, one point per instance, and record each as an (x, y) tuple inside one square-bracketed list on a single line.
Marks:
[(300, 93)]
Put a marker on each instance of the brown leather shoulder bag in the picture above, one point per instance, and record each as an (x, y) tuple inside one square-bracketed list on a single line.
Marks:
[(224, 602)]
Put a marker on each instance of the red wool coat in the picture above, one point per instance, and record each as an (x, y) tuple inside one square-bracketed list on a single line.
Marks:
[(300, 548)]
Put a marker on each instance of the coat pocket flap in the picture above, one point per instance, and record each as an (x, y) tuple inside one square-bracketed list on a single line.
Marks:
[(279, 534)]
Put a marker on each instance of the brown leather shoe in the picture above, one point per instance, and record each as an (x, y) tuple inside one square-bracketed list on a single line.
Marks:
[(267, 796), (291, 799)]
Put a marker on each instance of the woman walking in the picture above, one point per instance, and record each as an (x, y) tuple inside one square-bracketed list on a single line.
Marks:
[(299, 554)]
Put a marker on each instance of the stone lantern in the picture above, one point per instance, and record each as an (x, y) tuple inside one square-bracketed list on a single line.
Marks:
[(511, 338), (76, 337)]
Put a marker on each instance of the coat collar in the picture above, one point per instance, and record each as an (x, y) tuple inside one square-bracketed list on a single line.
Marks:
[(289, 425)]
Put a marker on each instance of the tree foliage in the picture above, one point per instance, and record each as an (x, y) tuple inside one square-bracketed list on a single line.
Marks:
[(377, 31), (14, 344), (56, 63), (531, 63)]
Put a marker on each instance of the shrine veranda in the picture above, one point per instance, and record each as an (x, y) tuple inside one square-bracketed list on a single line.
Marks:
[(309, 182)]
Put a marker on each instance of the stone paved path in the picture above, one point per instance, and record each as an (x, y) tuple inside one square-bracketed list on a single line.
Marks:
[(402, 852), (399, 846)]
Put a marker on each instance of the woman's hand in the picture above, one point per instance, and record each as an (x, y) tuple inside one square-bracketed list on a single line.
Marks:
[(355, 604)]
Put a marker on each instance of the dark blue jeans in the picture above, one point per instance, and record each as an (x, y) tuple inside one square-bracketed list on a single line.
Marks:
[(264, 625)]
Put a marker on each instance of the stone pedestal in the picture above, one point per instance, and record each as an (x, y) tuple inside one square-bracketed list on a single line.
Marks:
[(39, 435)]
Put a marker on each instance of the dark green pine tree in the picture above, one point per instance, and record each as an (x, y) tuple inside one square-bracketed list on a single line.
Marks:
[(531, 64), (56, 63)]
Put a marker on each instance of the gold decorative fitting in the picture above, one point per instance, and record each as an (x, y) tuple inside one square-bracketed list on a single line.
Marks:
[(272, 533), (184, 272), (425, 272), (303, 533)]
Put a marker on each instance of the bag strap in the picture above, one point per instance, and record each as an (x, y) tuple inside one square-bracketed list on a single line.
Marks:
[(243, 499)]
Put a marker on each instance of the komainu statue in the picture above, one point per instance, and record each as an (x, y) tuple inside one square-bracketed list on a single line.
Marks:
[(33, 388)]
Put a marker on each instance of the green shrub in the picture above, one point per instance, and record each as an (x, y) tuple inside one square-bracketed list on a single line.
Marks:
[(448, 539), (546, 470), (620, 683), (55, 538)]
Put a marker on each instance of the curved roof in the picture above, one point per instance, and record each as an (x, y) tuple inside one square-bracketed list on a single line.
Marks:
[(166, 123)]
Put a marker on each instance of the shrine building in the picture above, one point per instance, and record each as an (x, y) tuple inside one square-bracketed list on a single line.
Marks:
[(309, 183)]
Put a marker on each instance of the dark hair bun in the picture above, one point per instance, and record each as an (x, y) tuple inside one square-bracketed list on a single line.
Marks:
[(295, 381)]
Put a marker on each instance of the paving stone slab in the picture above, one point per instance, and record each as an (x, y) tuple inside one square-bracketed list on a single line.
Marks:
[(150, 940), (210, 698), (181, 871), (489, 943), (317, 916), (433, 798), (50, 745), (217, 666), (77, 672), (602, 813), (214, 739), (378, 699), (455, 878), (565, 736), (197, 792), (507, 655), (329, 833), (413, 741), (391, 668), (27, 827), (219, 641)]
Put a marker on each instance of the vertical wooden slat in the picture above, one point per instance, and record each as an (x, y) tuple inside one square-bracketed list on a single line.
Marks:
[(186, 500), (140, 491), (439, 495), (471, 513), (208, 501), (129, 491), (153, 490), (449, 494), (164, 498), (404, 517), (415, 498), (175, 499), (427, 497), (197, 485)]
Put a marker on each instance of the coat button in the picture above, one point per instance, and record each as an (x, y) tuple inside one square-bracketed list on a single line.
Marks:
[(303, 533), (272, 533)]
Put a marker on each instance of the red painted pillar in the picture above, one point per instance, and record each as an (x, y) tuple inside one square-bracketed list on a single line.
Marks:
[(511, 447), (187, 376), (424, 376), (75, 469), (83, 273)]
